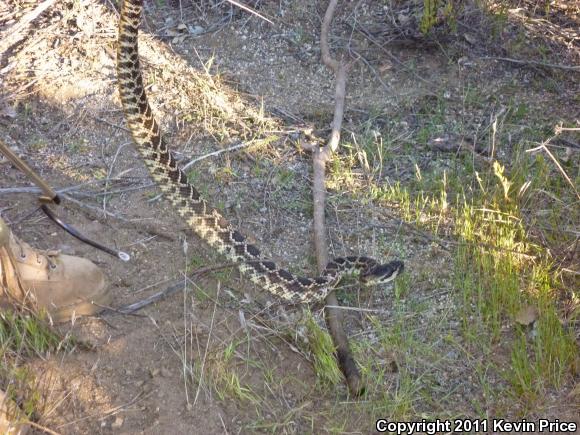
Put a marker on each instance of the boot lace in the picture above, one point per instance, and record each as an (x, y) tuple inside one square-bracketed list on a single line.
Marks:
[(48, 254)]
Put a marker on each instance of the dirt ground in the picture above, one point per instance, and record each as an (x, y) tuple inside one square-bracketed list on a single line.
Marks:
[(60, 110)]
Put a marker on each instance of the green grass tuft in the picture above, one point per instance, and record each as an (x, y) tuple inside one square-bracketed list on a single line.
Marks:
[(323, 352)]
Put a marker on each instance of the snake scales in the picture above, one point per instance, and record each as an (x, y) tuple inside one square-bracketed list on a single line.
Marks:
[(205, 221)]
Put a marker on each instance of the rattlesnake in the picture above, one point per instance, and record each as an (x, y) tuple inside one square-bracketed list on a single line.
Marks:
[(205, 221)]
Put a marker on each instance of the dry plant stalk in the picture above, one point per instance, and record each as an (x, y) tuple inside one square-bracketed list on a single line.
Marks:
[(333, 316)]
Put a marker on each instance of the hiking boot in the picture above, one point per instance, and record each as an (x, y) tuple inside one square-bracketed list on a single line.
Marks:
[(62, 285), (12, 419)]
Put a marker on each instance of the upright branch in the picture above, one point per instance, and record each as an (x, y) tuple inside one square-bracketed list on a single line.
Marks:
[(334, 318), (340, 69)]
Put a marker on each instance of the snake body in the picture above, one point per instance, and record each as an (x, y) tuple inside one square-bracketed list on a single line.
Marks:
[(205, 221)]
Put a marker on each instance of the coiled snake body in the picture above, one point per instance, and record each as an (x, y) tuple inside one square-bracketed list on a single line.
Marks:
[(205, 221)]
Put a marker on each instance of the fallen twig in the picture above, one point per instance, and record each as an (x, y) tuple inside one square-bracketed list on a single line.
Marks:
[(42, 428), (387, 53), (131, 308), (535, 63), (216, 153), (75, 188), (250, 10), (555, 160), (93, 208), (112, 124), (111, 411)]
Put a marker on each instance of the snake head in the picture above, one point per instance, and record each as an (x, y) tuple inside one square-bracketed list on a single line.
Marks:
[(382, 273)]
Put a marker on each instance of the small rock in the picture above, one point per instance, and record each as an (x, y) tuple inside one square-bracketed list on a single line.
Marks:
[(470, 38), (195, 30), (464, 61), (526, 315), (403, 19), (118, 422)]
